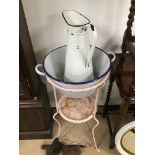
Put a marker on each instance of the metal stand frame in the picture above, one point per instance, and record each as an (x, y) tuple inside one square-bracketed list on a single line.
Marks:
[(93, 116), (96, 87)]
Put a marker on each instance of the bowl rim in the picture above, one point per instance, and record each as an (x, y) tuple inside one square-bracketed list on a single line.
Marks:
[(75, 83)]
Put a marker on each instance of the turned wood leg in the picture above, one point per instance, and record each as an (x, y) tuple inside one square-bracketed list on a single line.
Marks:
[(105, 109), (122, 113), (53, 149)]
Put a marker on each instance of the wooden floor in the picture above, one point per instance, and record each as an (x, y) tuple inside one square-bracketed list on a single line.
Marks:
[(79, 133)]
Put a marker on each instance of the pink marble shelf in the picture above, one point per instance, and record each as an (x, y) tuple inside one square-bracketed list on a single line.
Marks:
[(77, 108)]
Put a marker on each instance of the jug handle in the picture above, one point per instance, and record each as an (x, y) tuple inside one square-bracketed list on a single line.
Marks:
[(90, 55), (38, 71)]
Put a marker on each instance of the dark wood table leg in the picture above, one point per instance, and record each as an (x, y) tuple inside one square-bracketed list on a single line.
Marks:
[(105, 109), (53, 149), (122, 113), (57, 147)]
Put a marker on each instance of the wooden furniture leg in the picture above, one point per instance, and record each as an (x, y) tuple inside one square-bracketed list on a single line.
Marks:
[(53, 149), (124, 73), (105, 109), (122, 113)]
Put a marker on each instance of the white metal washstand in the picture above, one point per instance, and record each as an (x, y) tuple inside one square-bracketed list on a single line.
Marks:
[(77, 103), (59, 105)]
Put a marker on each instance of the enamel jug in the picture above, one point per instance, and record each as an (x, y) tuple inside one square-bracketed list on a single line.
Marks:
[(80, 47)]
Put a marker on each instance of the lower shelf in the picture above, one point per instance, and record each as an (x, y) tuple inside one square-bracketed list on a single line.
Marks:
[(77, 110)]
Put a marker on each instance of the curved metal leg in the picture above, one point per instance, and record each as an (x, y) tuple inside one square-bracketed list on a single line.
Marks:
[(59, 126), (97, 123)]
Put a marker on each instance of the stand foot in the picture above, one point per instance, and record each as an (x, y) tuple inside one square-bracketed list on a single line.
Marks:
[(98, 150)]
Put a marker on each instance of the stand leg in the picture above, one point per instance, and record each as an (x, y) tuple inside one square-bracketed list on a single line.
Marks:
[(59, 126), (93, 134), (57, 107), (122, 112)]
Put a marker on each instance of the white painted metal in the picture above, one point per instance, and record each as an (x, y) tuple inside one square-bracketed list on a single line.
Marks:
[(97, 87)]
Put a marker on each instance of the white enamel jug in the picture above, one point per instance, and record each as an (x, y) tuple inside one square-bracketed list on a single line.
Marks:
[(80, 47)]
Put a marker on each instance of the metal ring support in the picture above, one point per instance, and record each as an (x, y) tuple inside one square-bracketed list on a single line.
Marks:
[(102, 82)]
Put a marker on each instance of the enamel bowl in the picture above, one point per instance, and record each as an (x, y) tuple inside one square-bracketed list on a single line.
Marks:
[(54, 66)]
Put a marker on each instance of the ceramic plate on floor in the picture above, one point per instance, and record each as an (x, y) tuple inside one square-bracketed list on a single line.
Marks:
[(125, 139)]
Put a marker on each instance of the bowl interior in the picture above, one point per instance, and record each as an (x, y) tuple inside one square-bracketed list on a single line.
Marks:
[(54, 64)]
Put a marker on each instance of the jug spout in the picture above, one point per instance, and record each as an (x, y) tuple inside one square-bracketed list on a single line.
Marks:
[(74, 18)]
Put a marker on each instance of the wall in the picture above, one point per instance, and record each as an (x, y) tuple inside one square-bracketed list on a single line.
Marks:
[(48, 30), (47, 27)]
